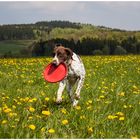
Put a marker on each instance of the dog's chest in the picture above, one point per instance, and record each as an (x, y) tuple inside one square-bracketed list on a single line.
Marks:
[(71, 71), (74, 69)]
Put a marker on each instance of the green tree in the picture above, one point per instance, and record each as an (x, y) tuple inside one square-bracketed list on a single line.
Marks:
[(120, 51), (97, 52), (106, 50)]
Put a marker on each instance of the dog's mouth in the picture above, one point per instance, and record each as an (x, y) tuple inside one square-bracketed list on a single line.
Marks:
[(55, 63), (58, 62)]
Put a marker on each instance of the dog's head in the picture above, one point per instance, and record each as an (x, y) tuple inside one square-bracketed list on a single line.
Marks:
[(61, 54)]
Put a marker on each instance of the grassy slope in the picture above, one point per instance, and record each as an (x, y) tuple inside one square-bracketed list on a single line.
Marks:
[(14, 46), (109, 105)]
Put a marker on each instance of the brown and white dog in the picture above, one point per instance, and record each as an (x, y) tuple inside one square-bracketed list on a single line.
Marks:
[(75, 76)]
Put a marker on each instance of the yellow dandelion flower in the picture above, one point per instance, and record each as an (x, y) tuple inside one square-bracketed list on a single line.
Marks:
[(78, 107), (103, 83), (51, 131), (18, 103), (4, 122), (135, 87), (102, 91), (14, 107), (42, 93), (121, 118), (30, 117), (121, 94), (7, 110), (135, 92), (43, 129), (65, 122), (21, 99), (89, 102), (111, 117), (38, 116), (47, 113), (30, 100), (119, 114), (89, 107), (12, 114), (107, 102), (34, 99), (47, 99), (63, 97), (124, 106), (82, 117), (31, 109), (26, 99), (90, 130), (102, 97), (32, 127), (17, 120), (64, 111)]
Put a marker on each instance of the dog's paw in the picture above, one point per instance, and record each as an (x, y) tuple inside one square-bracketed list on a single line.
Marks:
[(75, 102), (58, 101)]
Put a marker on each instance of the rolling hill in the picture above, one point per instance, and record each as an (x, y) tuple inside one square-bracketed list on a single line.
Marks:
[(76, 34)]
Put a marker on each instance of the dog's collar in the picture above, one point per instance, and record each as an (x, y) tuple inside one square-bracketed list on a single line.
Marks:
[(69, 62)]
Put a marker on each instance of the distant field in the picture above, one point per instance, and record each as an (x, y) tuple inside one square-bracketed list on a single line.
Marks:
[(109, 105), (13, 46)]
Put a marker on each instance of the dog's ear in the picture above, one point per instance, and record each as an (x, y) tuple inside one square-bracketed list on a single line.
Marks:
[(69, 52), (56, 46)]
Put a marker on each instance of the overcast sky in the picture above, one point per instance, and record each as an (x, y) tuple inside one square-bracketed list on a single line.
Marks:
[(122, 15)]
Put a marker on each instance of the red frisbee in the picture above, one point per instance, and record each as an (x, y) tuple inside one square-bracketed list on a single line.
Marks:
[(53, 73)]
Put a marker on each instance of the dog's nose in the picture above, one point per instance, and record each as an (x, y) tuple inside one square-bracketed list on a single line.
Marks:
[(55, 61)]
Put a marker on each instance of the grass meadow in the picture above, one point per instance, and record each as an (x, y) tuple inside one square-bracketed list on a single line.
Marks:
[(109, 106)]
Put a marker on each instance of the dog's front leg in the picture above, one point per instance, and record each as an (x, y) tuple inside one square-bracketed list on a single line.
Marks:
[(62, 85)]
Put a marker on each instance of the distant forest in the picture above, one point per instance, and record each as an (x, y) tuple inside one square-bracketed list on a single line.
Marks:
[(84, 39)]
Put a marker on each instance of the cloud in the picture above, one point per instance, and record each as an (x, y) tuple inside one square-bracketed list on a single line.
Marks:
[(128, 4), (116, 14), (58, 6), (45, 10)]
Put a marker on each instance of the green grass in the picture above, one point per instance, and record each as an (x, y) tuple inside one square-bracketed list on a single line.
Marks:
[(109, 106), (13, 46)]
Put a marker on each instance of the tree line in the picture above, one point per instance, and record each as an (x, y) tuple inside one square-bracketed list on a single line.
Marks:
[(87, 46), (84, 39)]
